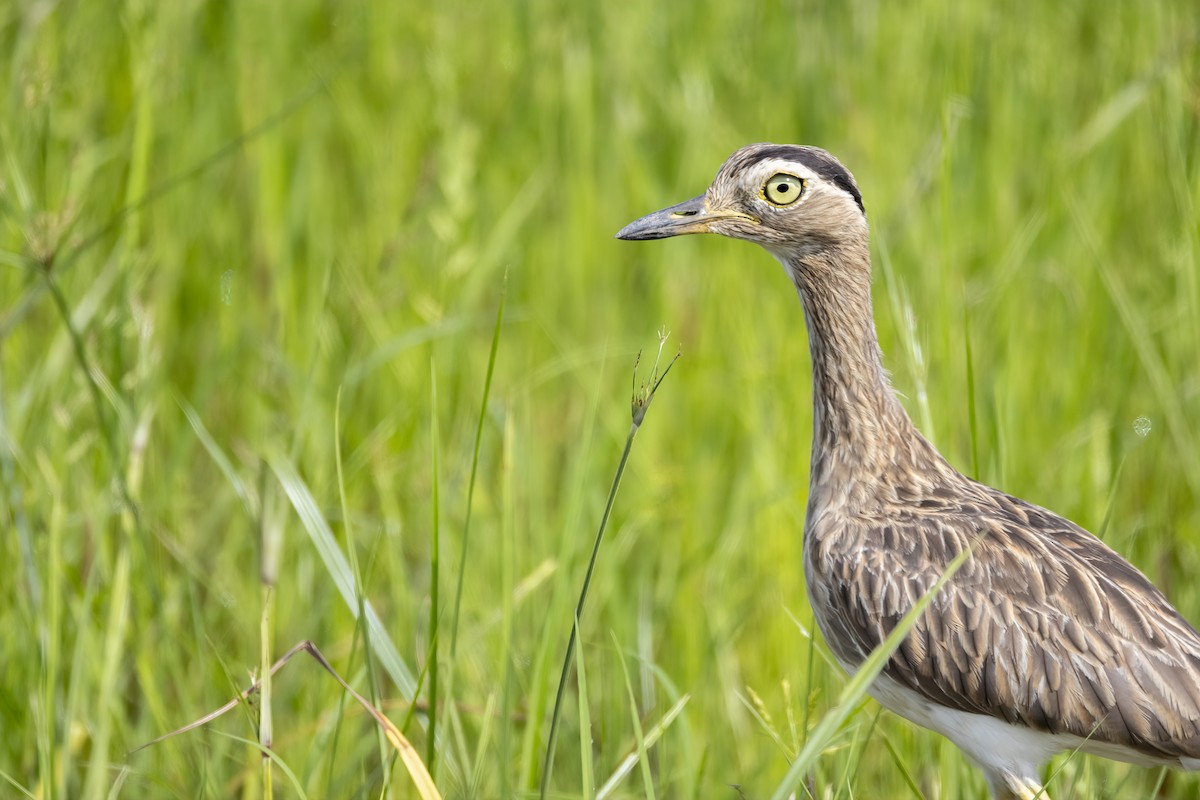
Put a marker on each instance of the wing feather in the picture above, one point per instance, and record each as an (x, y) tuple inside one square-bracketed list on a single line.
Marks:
[(1045, 626)]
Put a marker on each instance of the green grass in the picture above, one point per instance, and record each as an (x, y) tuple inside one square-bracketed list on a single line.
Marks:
[(235, 237)]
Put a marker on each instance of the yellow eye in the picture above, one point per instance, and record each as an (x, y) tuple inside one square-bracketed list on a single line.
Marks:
[(783, 189)]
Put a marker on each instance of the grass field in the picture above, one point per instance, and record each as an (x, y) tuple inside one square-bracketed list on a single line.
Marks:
[(251, 260)]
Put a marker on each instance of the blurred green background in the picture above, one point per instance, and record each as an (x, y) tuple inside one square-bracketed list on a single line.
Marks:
[(241, 239)]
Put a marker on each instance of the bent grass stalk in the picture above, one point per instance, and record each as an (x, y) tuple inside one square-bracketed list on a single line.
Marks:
[(421, 778), (643, 395)]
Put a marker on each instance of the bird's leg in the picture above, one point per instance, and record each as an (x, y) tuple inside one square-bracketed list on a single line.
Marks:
[(1009, 786)]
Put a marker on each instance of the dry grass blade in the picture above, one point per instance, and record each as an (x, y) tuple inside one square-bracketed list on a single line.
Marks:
[(408, 754)]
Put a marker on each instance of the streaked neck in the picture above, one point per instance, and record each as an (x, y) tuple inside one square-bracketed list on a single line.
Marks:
[(859, 427)]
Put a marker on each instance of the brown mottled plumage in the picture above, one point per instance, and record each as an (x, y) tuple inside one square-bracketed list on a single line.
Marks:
[(1046, 639)]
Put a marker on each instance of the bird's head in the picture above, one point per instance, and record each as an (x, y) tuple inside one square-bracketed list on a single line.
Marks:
[(792, 200)]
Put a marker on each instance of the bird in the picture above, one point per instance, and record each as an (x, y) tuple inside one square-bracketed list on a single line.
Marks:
[(1045, 639)]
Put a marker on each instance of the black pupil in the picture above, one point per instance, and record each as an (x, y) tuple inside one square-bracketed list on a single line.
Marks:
[(782, 188)]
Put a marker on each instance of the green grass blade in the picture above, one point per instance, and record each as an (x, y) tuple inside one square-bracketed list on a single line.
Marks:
[(434, 570), (340, 573), (653, 734), (587, 772), (217, 454), (13, 783), (270, 755), (364, 632), (972, 420), (902, 767), (109, 688), (466, 536), (636, 719)]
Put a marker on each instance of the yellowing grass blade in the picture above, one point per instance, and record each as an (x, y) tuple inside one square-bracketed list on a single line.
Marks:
[(408, 754)]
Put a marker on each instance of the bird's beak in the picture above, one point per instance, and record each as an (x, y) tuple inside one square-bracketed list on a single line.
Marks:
[(692, 216)]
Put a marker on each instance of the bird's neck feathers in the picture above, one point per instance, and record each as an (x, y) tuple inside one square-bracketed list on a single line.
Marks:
[(859, 427)]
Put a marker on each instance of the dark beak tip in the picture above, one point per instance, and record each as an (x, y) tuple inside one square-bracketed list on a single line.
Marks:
[(630, 233)]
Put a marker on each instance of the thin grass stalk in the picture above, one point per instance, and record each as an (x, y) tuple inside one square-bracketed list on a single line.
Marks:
[(652, 736), (11, 781), (587, 582), (903, 769), (109, 429), (507, 571), (587, 773), (265, 722), (363, 630), (113, 651), (352, 556), (642, 397), (972, 416), (466, 537), (434, 567), (16, 504), (48, 772), (460, 580), (533, 737), (635, 718), (271, 538)]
